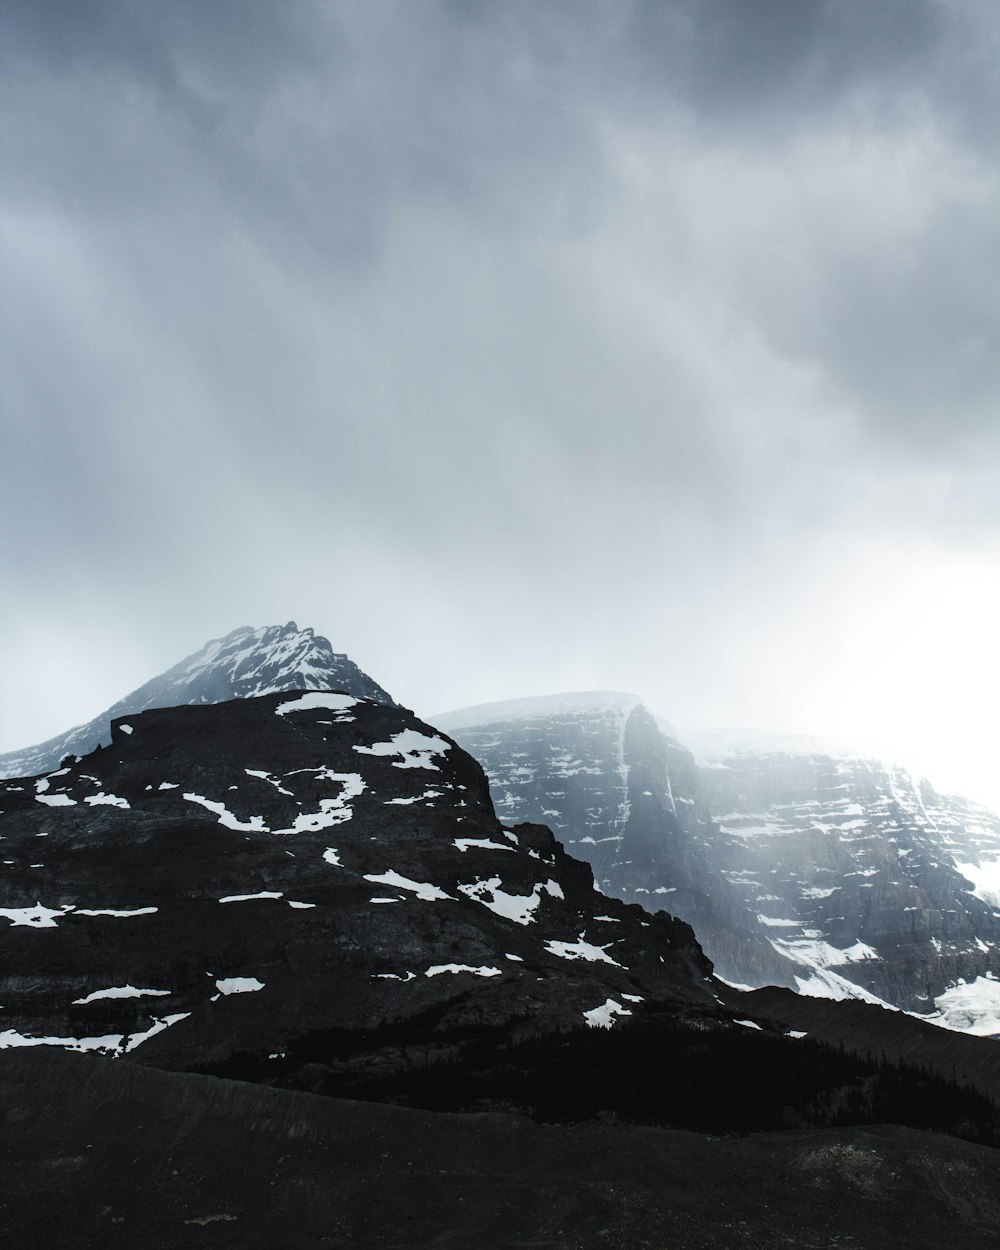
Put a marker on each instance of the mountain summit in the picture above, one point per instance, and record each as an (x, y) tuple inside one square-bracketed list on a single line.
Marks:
[(244, 664)]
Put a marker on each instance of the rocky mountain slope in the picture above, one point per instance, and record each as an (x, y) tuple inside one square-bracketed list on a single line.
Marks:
[(311, 891), (245, 663), (863, 882), (623, 795), (863, 872), (239, 875)]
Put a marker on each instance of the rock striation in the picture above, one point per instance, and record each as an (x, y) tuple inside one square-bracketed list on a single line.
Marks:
[(863, 873)]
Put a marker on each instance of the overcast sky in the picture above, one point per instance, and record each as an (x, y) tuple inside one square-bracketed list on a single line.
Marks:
[(517, 347)]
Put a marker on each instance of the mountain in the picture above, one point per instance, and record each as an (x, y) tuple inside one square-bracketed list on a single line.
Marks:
[(862, 872), (242, 875), (243, 664), (623, 794), (797, 861), (326, 996)]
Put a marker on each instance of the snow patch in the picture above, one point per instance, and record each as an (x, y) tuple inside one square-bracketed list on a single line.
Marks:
[(318, 699), (422, 889), (119, 991), (970, 1008), (436, 970), (581, 950), (226, 817), (414, 749), (486, 844), (106, 800), (517, 907), (118, 913), (37, 917), (239, 985), (603, 1017), (249, 898), (985, 878)]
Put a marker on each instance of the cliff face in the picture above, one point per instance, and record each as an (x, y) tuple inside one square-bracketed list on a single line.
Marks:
[(621, 794), (856, 869), (796, 862)]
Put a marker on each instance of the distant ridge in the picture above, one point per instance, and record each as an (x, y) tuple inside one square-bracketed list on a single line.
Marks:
[(242, 665)]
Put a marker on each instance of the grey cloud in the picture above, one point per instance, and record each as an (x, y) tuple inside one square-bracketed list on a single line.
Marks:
[(587, 306)]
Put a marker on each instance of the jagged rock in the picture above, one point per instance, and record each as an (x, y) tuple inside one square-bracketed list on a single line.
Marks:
[(243, 664)]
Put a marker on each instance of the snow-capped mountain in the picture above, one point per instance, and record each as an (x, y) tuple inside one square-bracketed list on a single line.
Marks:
[(243, 664), (620, 793), (863, 872), (310, 891), (863, 882)]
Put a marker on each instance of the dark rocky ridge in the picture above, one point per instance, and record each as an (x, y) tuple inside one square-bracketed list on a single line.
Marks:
[(245, 663), (318, 805)]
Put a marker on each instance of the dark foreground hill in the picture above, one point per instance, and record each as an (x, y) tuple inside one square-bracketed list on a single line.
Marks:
[(99, 1153)]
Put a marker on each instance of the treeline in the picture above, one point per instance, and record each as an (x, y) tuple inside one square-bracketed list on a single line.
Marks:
[(713, 1079)]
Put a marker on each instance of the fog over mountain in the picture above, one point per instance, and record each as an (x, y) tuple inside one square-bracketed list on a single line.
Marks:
[(640, 346)]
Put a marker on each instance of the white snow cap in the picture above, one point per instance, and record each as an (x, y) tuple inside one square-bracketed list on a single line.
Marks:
[(571, 703)]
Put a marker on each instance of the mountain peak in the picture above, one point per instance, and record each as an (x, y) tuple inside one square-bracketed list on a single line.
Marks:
[(245, 663)]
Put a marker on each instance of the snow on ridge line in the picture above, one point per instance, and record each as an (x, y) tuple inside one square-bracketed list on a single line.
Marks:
[(710, 746), (331, 700), (533, 707)]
